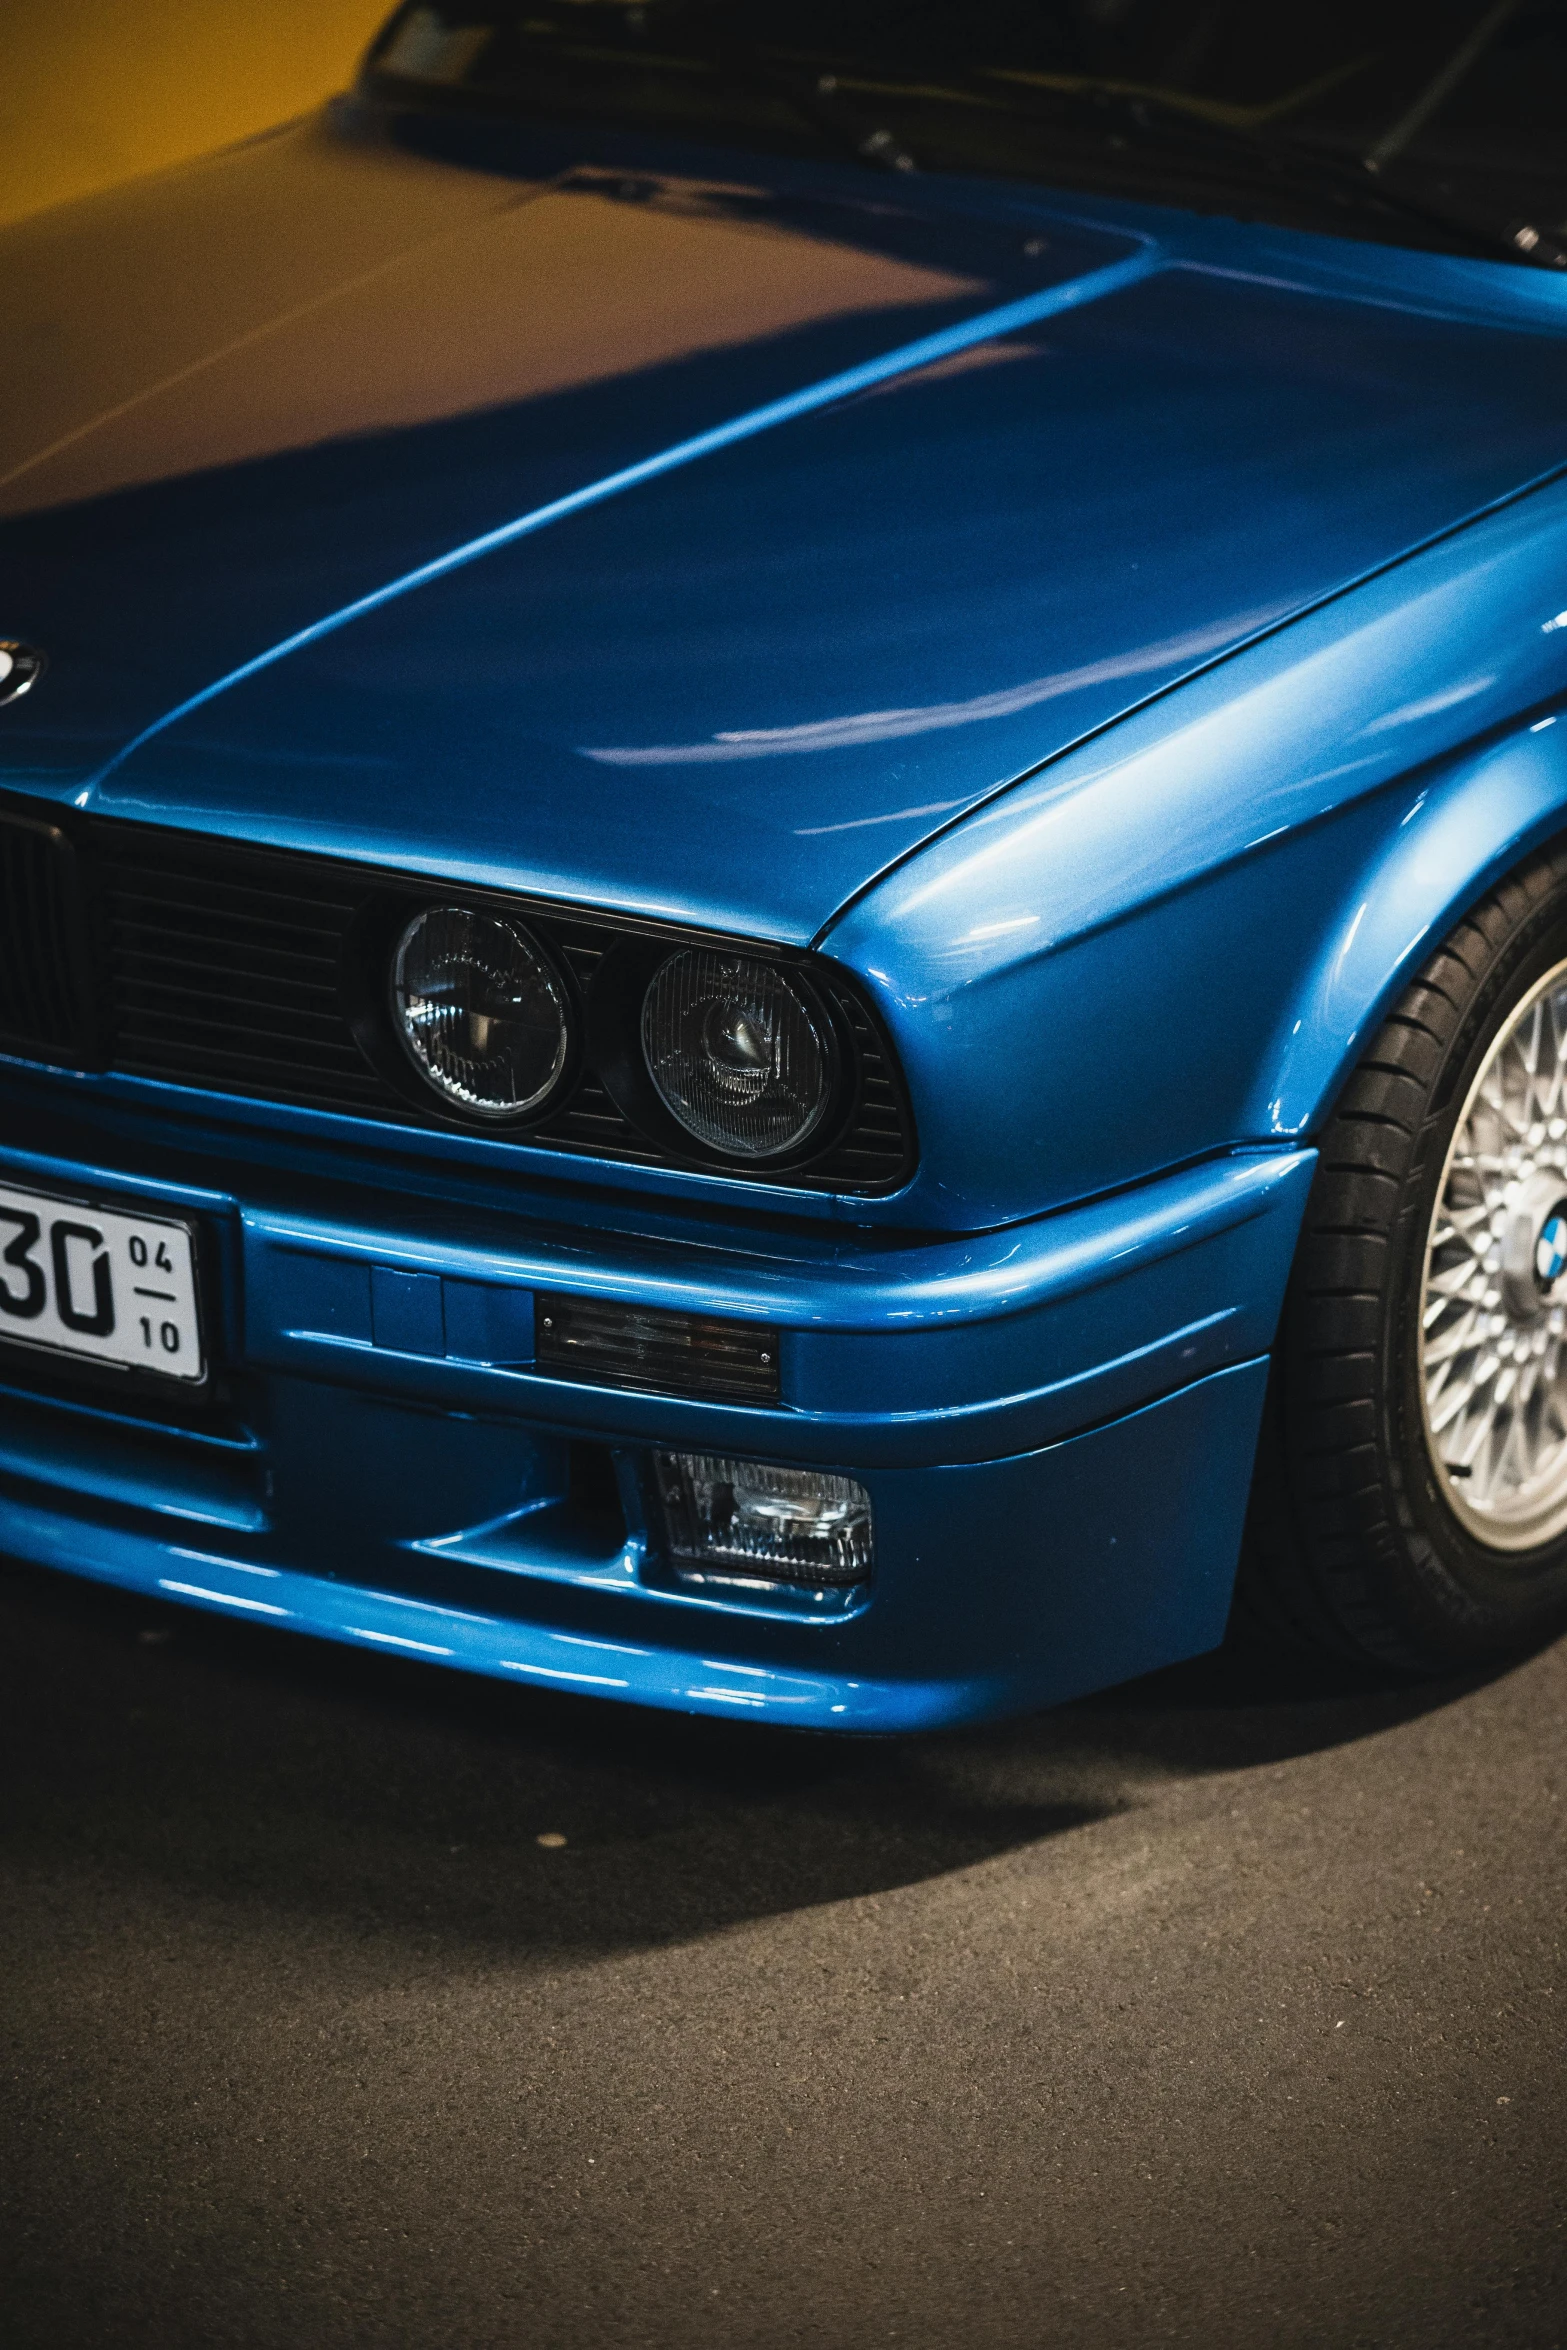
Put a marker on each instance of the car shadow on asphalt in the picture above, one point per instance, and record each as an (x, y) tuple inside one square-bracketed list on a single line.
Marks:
[(162, 1748)]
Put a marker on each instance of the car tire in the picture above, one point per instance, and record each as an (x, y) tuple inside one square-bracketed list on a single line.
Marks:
[(1409, 1507)]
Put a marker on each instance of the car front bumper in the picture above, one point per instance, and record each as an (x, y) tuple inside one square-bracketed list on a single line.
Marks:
[(1055, 1423)]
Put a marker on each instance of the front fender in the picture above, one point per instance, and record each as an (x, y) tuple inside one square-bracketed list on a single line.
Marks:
[(1177, 937), (1455, 834)]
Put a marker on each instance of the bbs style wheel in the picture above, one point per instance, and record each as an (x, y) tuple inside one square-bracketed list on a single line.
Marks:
[(1410, 1503)]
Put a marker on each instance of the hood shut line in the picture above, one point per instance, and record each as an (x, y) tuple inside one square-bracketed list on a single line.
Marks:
[(906, 359)]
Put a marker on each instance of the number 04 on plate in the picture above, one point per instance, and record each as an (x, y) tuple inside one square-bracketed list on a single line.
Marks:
[(99, 1284)]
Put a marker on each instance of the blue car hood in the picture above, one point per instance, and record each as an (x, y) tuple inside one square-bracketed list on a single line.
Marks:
[(689, 543)]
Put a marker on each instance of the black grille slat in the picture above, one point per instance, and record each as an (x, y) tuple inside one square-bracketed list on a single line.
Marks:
[(245, 1048), (160, 883), (261, 1080), (297, 972), (875, 1151), (218, 1048), (220, 966), (213, 903), (133, 920), (161, 886), (224, 937), (44, 991), (152, 1002), (224, 963)]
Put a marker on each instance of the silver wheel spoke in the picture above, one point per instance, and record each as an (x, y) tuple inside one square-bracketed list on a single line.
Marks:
[(1492, 1363)]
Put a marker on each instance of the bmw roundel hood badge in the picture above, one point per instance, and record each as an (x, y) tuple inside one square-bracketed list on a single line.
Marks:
[(21, 666)]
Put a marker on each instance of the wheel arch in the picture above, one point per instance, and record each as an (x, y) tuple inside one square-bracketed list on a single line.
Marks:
[(1452, 834)]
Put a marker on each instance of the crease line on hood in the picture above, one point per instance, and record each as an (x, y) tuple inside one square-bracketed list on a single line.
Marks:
[(907, 358)]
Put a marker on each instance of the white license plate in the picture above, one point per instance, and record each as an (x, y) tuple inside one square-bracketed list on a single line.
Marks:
[(94, 1282)]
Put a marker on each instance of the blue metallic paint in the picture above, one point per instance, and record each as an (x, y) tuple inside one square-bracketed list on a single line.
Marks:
[(970, 1348), (993, 1392), (1295, 825), (1127, 674), (831, 392), (1014, 1583), (822, 639)]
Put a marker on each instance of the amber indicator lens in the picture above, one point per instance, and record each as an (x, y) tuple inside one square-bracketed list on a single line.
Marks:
[(479, 1010), (641, 1346), (764, 1523), (736, 1053)]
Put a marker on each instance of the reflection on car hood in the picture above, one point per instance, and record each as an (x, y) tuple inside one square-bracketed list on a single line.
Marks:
[(694, 545)]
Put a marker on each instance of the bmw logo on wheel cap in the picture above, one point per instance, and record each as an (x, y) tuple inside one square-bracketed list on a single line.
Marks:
[(21, 666), (1550, 1250)]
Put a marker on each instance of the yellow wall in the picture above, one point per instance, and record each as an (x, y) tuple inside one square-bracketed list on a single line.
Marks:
[(92, 91)]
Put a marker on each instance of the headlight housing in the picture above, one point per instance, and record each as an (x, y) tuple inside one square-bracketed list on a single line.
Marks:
[(479, 1011), (566, 1029), (736, 1052)]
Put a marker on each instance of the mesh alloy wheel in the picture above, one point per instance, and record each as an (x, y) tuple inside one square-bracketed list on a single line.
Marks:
[(1410, 1501), (1493, 1305)]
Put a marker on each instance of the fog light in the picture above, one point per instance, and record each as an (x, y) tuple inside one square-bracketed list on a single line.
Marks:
[(775, 1525)]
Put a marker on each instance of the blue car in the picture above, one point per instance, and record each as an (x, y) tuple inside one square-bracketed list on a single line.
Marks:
[(783, 851)]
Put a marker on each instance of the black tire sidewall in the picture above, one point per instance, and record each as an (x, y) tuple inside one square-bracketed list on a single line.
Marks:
[(1469, 1599)]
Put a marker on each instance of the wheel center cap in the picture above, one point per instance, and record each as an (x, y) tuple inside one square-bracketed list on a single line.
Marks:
[(1534, 1249)]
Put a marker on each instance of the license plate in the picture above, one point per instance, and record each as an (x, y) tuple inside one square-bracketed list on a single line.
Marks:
[(97, 1283)]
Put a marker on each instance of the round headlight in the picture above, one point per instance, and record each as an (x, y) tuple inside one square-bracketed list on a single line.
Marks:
[(735, 1052), (479, 1010)]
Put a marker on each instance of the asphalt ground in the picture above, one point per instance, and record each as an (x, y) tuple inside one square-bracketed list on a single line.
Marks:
[(1227, 2009)]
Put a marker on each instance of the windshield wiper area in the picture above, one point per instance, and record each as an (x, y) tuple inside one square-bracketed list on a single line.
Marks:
[(1164, 123), (1165, 128), (820, 100), (813, 77), (1360, 184)]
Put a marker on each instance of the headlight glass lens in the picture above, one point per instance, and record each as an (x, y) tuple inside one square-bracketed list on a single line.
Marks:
[(480, 1010), (735, 1052)]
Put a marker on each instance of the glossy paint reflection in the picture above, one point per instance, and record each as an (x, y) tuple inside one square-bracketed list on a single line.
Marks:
[(1125, 639), (1213, 900), (737, 691)]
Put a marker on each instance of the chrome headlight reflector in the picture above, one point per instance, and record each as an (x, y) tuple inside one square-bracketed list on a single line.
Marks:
[(736, 1052), (479, 1010)]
